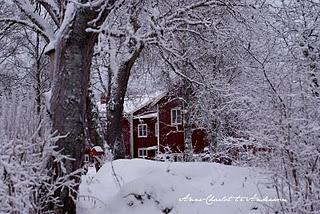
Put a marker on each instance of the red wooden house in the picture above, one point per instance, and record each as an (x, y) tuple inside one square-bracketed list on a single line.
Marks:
[(154, 125)]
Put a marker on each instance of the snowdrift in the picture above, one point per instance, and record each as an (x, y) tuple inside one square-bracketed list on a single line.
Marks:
[(151, 187)]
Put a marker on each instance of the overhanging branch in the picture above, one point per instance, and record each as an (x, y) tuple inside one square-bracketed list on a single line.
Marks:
[(28, 9), (28, 24)]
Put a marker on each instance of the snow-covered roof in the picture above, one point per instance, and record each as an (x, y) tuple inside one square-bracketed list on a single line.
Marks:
[(98, 148), (144, 116), (133, 104)]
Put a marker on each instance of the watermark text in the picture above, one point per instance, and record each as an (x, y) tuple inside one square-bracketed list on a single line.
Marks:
[(211, 199)]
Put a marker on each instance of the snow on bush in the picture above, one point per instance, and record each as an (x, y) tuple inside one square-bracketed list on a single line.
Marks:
[(26, 149)]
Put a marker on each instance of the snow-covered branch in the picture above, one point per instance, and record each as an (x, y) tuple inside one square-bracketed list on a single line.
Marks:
[(27, 8), (28, 24), (53, 10)]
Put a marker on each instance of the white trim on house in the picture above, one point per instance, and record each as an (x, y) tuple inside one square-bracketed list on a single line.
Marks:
[(144, 132), (176, 122), (156, 129)]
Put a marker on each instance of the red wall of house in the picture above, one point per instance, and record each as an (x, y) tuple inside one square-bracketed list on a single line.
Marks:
[(148, 141), (171, 136)]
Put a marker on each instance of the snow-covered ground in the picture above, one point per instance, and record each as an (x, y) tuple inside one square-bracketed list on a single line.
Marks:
[(151, 187)]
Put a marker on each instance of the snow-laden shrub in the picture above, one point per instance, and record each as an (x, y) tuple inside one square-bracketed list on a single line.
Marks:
[(26, 151)]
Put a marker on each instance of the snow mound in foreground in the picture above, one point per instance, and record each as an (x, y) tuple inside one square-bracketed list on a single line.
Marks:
[(144, 186)]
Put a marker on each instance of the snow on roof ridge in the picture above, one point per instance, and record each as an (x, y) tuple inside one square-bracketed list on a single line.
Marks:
[(133, 104), (98, 148), (130, 106), (148, 115)]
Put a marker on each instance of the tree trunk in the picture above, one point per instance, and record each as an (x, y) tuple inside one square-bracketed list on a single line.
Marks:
[(187, 123), (93, 135), (73, 55), (116, 95)]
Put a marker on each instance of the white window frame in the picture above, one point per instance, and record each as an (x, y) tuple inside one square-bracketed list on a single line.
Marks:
[(146, 132), (144, 154), (175, 110)]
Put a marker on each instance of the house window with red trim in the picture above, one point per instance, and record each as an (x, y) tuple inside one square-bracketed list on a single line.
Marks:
[(176, 116), (142, 130)]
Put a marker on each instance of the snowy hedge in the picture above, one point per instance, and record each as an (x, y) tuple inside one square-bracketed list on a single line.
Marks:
[(26, 149)]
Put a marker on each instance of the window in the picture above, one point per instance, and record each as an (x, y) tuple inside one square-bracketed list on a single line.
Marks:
[(156, 129), (176, 117), (142, 153), (142, 130)]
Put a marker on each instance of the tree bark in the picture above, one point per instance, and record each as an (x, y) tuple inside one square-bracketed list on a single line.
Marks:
[(116, 94), (72, 61), (187, 123), (93, 135)]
